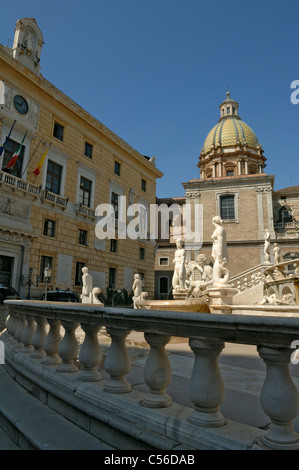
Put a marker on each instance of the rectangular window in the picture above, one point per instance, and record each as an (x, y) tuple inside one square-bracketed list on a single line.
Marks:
[(88, 150), (45, 262), (114, 203), (53, 180), (79, 274), (163, 261), (82, 237), (163, 285), (141, 253), (10, 149), (112, 278), (230, 173), (49, 228), (143, 185), (58, 131), (227, 207), (113, 245), (117, 168), (85, 191)]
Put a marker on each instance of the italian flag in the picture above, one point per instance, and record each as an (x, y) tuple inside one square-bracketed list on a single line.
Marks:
[(13, 160), (40, 163)]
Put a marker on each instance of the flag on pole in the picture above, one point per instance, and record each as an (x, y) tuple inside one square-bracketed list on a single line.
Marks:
[(41, 162), (12, 162), (2, 147)]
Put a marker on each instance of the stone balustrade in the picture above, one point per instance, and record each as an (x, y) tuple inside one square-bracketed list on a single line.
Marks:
[(42, 348)]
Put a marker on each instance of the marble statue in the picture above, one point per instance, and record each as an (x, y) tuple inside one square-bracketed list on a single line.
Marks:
[(267, 246), (95, 292), (86, 296), (200, 276), (137, 289), (179, 275), (221, 274), (276, 253), (219, 239)]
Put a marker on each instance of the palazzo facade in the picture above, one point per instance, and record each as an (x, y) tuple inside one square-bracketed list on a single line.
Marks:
[(58, 164)]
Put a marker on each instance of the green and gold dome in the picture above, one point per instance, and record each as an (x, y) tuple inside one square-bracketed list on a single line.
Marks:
[(229, 132)]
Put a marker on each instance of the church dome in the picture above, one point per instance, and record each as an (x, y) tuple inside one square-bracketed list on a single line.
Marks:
[(229, 132), (231, 148)]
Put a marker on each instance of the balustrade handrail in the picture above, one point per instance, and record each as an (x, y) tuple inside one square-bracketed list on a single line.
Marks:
[(273, 329)]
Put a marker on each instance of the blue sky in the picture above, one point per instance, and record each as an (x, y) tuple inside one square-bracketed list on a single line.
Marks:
[(155, 72)]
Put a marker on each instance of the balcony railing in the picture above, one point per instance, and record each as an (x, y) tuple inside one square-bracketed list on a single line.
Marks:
[(86, 211), (50, 358), (55, 199), (17, 183)]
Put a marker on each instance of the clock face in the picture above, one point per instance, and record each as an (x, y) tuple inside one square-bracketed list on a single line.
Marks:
[(20, 104)]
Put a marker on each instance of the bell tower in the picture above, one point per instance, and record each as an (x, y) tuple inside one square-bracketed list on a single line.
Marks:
[(28, 42)]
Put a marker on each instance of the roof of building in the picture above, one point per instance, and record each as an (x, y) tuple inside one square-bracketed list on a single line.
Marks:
[(290, 190)]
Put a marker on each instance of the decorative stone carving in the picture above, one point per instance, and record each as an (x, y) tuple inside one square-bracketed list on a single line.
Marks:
[(221, 274), (137, 289), (200, 275)]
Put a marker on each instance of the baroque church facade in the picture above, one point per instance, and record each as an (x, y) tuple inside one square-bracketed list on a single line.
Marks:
[(234, 185)]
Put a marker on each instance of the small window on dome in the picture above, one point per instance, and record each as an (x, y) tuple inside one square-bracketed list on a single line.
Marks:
[(230, 173), (228, 110)]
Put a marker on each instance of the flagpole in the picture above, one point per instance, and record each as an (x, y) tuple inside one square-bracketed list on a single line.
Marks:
[(2, 148), (29, 159)]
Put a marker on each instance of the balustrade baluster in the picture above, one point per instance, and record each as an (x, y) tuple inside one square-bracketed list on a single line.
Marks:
[(206, 385), (90, 354), (279, 398), (68, 348), (118, 362), (38, 338), (19, 331), (52, 343), (157, 372), (28, 334)]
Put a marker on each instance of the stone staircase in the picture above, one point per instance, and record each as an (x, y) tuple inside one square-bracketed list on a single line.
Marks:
[(28, 424)]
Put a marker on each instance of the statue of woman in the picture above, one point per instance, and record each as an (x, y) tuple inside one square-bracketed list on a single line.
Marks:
[(219, 239), (86, 295), (179, 275), (267, 246), (221, 274)]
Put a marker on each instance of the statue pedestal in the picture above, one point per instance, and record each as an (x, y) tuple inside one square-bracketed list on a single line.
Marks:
[(179, 293), (221, 298)]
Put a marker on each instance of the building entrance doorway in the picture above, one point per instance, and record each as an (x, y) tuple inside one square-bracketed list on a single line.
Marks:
[(6, 267)]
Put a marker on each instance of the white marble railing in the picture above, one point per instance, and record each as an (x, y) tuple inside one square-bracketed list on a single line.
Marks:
[(33, 335)]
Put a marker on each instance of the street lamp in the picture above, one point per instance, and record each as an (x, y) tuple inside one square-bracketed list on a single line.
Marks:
[(47, 275), (29, 282)]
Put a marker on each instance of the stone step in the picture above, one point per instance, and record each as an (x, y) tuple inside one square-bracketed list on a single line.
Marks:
[(28, 424)]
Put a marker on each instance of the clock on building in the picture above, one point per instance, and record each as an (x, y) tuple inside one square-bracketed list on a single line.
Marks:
[(20, 104)]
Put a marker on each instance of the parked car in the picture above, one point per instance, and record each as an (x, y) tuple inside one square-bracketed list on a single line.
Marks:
[(61, 295), (8, 293)]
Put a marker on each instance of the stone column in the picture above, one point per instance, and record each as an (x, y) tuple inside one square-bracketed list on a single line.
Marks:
[(28, 334), (38, 338), (90, 354), (118, 362), (279, 398), (206, 386), (52, 343), (157, 372), (68, 348)]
